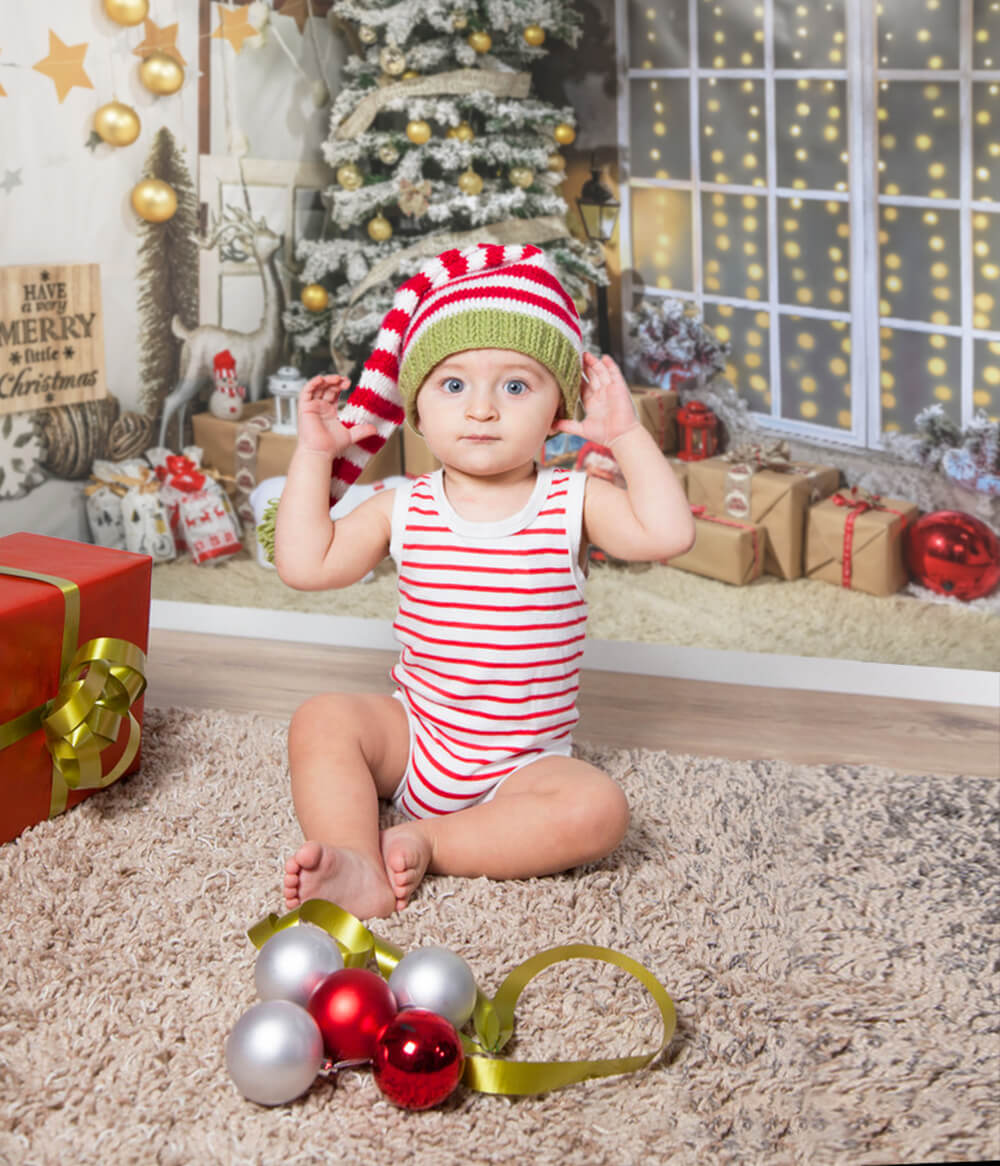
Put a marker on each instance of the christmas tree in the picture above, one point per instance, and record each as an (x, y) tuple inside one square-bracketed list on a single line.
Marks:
[(168, 274), (436, 142)]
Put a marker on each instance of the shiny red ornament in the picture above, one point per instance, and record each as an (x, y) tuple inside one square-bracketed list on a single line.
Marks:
[(954, 554), (418, 1059), (351, 1007)]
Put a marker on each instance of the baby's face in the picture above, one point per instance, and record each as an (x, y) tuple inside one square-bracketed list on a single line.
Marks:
[(487, 410)]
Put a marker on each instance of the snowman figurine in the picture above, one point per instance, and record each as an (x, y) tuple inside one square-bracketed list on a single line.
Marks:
[(227, 396)]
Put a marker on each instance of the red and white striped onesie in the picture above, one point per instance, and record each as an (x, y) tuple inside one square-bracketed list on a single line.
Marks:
[(491, 621)]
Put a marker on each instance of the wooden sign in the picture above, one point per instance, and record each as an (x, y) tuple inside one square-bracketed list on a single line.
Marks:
[(51, 336)]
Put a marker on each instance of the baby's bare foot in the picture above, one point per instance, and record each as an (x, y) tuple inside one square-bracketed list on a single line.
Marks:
[(406, 851), (345, 877)]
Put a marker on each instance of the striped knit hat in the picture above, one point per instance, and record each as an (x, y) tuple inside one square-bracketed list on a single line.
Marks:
[(485, 296)]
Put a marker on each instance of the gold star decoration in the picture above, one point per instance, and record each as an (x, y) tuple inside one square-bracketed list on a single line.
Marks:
[(64, 65), (235, 27), (298, 10), (159, 40)]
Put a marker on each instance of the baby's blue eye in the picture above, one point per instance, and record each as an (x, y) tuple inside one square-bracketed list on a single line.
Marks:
[(453, 385), (516, 388)]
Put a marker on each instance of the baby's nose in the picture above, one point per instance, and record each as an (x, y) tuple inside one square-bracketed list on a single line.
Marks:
[(479, 405)]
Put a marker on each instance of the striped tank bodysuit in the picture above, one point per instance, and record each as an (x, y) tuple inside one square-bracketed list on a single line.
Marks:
[(491, 621)]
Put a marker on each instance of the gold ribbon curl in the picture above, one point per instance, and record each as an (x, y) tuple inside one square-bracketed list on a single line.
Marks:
[(493, 1019), (99, 681)]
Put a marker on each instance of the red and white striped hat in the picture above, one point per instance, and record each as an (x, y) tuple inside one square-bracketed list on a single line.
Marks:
[(485, 296)]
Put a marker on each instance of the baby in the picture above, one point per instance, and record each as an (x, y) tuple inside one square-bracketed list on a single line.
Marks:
[(482, 353)]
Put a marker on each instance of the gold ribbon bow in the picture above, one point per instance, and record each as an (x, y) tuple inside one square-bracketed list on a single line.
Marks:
[(493, 1019), (770, 455), (99, 682)]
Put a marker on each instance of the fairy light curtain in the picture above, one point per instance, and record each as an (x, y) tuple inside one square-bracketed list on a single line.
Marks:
[(820, 179)]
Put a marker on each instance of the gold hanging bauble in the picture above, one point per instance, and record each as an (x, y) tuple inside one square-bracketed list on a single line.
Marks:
[(127, 12), (557, 163), (521, 176), (388, 154), (410, 74), (349, 176), (315, 297), (469, 182), (418, 132), (367, 35), (161, 74), (464, 132), (117, 124), (393, 60), (534, 34), (564, 134), (481, 41), (459, 21), (380, 228), (581, 304), (154, 200)]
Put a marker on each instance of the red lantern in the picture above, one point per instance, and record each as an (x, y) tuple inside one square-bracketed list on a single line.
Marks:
[(697, 427), (351, 1007), (418, 1059), (954, 554)]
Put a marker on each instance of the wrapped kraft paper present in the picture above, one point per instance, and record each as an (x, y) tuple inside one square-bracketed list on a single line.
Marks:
[(246, 452), (74, 625), (724, 549), (761, 485), (657, 410), (855, 539)]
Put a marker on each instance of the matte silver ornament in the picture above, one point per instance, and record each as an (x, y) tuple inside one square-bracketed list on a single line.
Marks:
[(437, 979), (274, 1052), (294, 961)]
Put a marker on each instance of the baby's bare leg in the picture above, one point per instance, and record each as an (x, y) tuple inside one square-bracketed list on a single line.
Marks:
[(549, 816), (345, 751)]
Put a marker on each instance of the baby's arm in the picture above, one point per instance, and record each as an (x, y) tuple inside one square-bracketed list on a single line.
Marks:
[(311, 551), (651, 518)]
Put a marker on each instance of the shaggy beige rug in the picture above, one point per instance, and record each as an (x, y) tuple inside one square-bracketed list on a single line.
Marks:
[(828, 936)]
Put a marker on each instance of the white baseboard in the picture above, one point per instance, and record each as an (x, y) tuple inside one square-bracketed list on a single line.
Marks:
[(859, 677)]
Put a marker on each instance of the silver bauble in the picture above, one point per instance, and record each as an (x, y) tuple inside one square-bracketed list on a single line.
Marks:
[(274, 1052), (437, 979), (293, 962)]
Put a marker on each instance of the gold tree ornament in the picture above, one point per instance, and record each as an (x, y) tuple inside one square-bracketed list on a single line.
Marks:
[(521, 176), (154, 200), (349, 176), (161, 74), (481, 41), (463, 132), (564, 134), (557, 163), (410, 74), (126, 12), (418, 132), (534, 34), (380, 229), (315, 297), (367, 35), (393, 60), (117, 124), (469, 182), (460, 21), (388, 154)]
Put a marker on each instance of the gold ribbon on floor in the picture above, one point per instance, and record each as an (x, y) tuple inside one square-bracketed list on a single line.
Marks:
[(99, 681), (493, 1019)]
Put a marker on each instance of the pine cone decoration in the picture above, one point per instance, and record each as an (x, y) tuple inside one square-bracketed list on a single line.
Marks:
[(76, 435), (131, 435)]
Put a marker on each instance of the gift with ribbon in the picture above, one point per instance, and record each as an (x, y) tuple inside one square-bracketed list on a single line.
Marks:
[(855, 539), (657, 412), (758, 482), (726, 549), (493, 1019), (74, 625)]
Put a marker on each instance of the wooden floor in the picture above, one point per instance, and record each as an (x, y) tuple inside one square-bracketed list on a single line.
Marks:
[(618, 709)]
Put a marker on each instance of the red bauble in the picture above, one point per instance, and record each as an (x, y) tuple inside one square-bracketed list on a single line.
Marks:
[(351, 1007), (418, 1059), (954, 554)]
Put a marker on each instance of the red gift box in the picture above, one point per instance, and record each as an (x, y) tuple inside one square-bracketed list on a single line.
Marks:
[(72, 657)]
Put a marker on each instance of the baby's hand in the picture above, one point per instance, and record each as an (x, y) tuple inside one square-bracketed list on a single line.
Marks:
[(320, 428), (609, 411)]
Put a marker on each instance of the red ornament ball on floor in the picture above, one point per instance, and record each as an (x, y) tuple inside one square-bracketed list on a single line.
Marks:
[(418, 1059), (954, 554), (351, 1007)]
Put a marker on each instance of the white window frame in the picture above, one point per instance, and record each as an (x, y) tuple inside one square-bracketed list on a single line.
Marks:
[(862, 197)]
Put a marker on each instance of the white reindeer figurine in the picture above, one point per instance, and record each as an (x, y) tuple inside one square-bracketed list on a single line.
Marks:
[(256, 353)]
